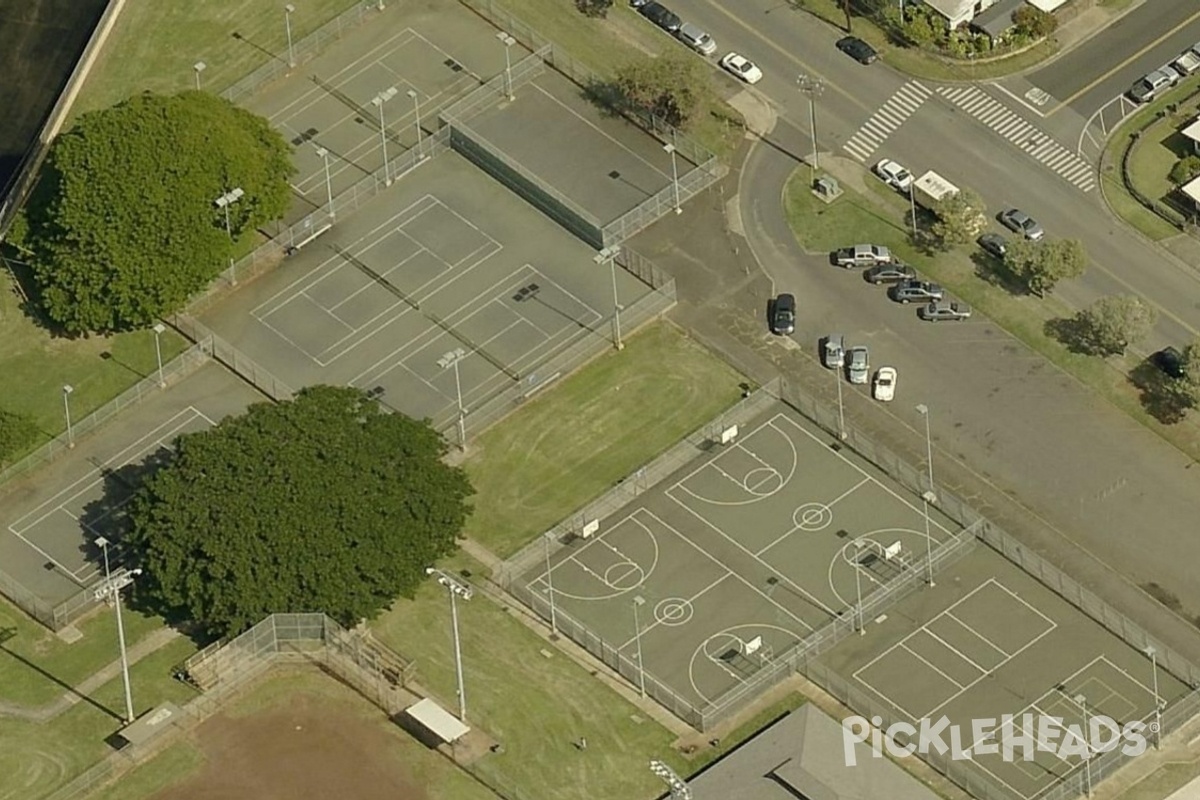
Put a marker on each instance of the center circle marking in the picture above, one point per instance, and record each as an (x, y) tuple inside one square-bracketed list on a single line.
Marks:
[(812, 517), (674, 611)]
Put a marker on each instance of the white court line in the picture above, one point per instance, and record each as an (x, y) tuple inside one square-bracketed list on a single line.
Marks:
[(592, 125), (929, 664), (691, 600), (783, 578), (955, 650), (830, 504), (858, 469), (740, 483), (977, 634)]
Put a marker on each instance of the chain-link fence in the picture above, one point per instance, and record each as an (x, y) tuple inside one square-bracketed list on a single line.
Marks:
[(237, 361), (305, 49), (378, 673)]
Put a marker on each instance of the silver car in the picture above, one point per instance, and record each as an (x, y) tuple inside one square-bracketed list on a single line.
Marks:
[(858, 364), (696, 39), (833, 350), (1018, 221)]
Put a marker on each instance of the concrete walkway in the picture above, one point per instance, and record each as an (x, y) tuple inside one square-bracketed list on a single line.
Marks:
[(46, 713)]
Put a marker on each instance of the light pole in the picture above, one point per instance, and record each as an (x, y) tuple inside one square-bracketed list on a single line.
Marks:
[(224, 202), (416, 98), (159, 329), (508, 42), (324, 154), (670, 148), (456, 589), (112, 588), (1087, 757), (1150, 651), (638, 602), (67, 389), (862, 628), (546, 537), (609, 254), (199, 67), (912, 206), (929, 496), (813, 88), (288, 10), (837, 379), (451, 359), (378, 101)]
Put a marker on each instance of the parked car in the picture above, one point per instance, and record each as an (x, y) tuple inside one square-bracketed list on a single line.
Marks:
[(1170, 361), (894, 175), (889, 273), (861, 255), (661, 16), (833, 350), (1188, 61), (783, 314), (741, 68), (857, 49), (1153, 84), (922, 291), (858, 364), (993, 243), (1018, 221), (883, 388), (938, 311), (696, 39)]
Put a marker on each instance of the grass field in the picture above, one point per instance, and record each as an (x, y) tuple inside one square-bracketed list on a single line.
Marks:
[(36, 365), (155, 44), (37, 758), (597, 426), (820, 227)]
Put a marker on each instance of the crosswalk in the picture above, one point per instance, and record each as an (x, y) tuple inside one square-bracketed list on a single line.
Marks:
[(1027, 137), (890, 116)]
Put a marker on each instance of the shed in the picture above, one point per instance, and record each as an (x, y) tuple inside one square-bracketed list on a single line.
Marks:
[(1192, 132), (435, 719), (997, 20)]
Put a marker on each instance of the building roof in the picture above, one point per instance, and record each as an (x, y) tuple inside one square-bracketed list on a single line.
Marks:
[(998, 19), (1192, 190), (802, 755), (1192, 131), (1047, 5), (437, 720), (951, 9)]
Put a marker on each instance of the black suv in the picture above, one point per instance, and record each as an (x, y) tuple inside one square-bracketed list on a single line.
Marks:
[(783, 315), (661, 16)]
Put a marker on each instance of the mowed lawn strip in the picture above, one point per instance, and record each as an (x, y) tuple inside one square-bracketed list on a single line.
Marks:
[(853, 218), (36, 666), (155, 44), (536, 706), (569, 445)]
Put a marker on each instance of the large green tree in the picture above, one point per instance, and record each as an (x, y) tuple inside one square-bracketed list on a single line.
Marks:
[(1109, 325), (323, 503), (122, 226), (959, 218), (1041, 265), (675, 86)]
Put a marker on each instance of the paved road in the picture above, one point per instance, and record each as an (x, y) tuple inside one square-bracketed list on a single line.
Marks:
[(1104, 66)]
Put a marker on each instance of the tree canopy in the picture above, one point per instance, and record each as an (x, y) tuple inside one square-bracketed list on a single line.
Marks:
[(122, 226), (323, 503), (675, 86), (1111, 324), (1042, 265), (960, 217)]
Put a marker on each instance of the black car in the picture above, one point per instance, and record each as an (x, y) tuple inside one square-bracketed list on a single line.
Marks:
[(661, 16), (1170, 361), (993, 243), (857, 49), (783, 315), (889, 273)]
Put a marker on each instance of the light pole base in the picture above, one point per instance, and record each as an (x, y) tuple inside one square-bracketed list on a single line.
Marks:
[(678, 210), (619, 346)]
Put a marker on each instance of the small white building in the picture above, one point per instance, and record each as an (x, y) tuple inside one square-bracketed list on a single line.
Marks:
[(959, 12), (1191, 190), (1192, 133)]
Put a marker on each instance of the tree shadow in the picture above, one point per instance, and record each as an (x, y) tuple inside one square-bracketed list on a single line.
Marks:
[(1073, 333), (1162, 396), (605, 96), (993, 270)]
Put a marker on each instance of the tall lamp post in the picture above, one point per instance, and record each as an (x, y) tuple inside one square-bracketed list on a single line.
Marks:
[(837, 380), (199, 67), (416, 98), (111, 589), (451, 359), (546, 537), (378, 101), (1150, 651), (288, 10), (813, 88), (670, 148), (609, 254), (1087, 757), (67, 389), (324, 154), (929, 496), (862, 628), (159, 329), (638, 602), (508, 41), (224, 202), (457, 589)]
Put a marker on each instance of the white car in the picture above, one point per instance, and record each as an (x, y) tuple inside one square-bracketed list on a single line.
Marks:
[(742, 68), (883, 388), (894, 175)]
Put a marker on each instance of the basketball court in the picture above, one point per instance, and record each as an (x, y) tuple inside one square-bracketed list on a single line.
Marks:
[(735, 560)]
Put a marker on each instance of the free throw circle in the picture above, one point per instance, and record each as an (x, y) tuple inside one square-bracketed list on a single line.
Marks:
[(624, 575)]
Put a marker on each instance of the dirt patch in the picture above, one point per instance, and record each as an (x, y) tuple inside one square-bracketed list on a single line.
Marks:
[(311, 750)]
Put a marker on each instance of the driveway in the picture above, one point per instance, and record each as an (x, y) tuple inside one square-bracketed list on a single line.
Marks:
[(1068, 474)]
